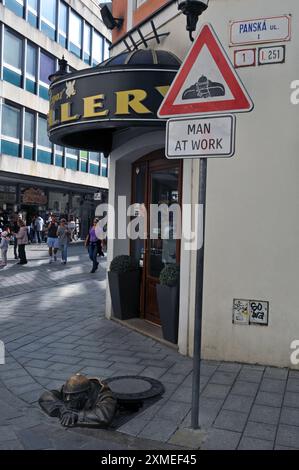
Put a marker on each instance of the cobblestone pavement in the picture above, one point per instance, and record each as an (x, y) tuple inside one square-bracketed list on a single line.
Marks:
[(52, 323)]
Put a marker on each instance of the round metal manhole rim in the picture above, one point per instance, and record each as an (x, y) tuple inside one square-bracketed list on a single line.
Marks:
[(152, 388)]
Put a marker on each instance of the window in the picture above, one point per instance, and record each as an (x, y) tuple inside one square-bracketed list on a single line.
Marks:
[(11, 121), (31, 66), (59, 160), (106, 50), (13, 56), (17, 6), (62, 24), (48, 17), (87, 44), (75, 34), (32, 12), (83, 160), (29, 132), (44, 151), (46, 68), (97, 48)]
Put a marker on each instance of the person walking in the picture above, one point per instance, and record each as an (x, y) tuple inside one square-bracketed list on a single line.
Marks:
[(39, 227), (14, 228), (22, 239), (4, 243), (63, 234), (91, 242), (52, 239)]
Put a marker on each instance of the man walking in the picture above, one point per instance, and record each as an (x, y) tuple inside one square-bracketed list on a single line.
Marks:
[(39, 227), (52, 239)]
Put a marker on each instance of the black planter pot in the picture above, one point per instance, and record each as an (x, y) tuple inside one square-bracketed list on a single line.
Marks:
[(168, 302), (125, 294)]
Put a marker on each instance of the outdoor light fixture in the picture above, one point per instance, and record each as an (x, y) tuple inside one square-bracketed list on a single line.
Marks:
[(192, 9), (109, 21)]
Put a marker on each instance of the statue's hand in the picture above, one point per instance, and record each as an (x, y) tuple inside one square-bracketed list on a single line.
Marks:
[(68, 418)]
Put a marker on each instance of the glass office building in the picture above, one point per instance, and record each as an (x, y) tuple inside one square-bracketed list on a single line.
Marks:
[(35, 175)]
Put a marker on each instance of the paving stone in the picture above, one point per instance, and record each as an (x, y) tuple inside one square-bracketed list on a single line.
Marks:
[(292, 385), (238, 403), (158, 430), (269, 399), (133, 427), (223, 378), (216, 391), (219, 439), (260, 431), (276, 373), (291, 399), (63, 359), (229, 367), (174, 411), (264, 414), (249, 443), (288, 436), (289, 416), (251, 375), (245, 388), (270, 385), (231, 420), (7, 434)]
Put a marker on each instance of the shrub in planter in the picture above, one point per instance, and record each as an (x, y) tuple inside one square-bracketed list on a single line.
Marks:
[(124, 283), (168, 301)]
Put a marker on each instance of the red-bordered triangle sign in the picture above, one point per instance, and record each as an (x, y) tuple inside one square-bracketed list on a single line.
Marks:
[(206, 82)]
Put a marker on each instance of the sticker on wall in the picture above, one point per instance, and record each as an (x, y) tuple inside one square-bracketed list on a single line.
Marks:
[(240, 312), (250, 312), (258, 312)]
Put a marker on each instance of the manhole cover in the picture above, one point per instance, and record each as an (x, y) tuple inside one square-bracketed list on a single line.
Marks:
[(134, 387)]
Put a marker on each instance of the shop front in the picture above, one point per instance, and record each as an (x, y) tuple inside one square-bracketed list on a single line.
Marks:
[(30, 198)]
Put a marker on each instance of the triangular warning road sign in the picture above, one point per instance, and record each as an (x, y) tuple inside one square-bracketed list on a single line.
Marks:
[(206, 82)]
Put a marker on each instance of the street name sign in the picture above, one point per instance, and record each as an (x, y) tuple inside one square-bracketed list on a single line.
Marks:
[(206, 82), (202, 137), (260, 30)]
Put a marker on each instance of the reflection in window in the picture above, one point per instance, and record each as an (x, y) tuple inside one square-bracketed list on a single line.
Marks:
[(31, 68), (46, 68), (97, 48), (63, 14), (75, 34), (87, 43), (11, 119), (48, 17), (43, 139), (12, 56), (17, 6), (29, 129), (32, 12)]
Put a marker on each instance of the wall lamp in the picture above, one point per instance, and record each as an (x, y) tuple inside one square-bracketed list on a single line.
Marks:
[(108, 19), (192, 9)]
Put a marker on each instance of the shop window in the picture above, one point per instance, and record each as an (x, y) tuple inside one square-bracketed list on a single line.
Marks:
[(17, 6), (31, 66), (75, 34), (48, 17), (59, 203), (29, 133), (12, 58), (62, 24), (87, 44), (32, 16), (44, 150), (97, 48), (11, 131), (46, 68)]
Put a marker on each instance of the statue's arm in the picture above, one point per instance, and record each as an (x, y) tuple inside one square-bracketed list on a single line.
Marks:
[(51, 403)]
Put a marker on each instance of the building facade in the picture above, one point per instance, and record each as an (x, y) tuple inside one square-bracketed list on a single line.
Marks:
[(251, 233), (35, 175)]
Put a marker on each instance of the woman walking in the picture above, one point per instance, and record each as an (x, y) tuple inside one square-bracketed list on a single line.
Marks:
[(91, 243), (22, 240), (52, 239), (63, 239)]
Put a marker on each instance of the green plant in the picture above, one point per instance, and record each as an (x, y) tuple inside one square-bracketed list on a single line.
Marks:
[(170, 275), (123, 264)]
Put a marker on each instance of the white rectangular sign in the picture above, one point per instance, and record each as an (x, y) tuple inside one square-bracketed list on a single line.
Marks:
[(271, 55), (260, 30), (202, 137), (244, 58)]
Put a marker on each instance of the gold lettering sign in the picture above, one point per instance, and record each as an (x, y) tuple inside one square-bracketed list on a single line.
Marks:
[(131, 99), (65, 110), (92, 104)]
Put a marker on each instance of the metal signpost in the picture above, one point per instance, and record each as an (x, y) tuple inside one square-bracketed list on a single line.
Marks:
[(205, 87)]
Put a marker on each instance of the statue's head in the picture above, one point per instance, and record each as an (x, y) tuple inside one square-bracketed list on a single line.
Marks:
[(76, 392)]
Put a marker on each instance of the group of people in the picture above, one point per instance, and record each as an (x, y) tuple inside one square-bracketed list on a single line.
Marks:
[(59, 235)]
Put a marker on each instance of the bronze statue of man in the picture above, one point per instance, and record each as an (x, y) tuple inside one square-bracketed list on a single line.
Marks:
[(80, 402)]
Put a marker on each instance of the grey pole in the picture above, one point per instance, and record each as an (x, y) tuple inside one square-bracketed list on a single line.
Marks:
[(199, 300)]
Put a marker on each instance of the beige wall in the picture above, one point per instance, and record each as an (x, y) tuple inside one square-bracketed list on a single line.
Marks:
[(252, 223)]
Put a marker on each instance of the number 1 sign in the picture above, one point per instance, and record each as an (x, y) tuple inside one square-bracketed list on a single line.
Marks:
[(245, 58)]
